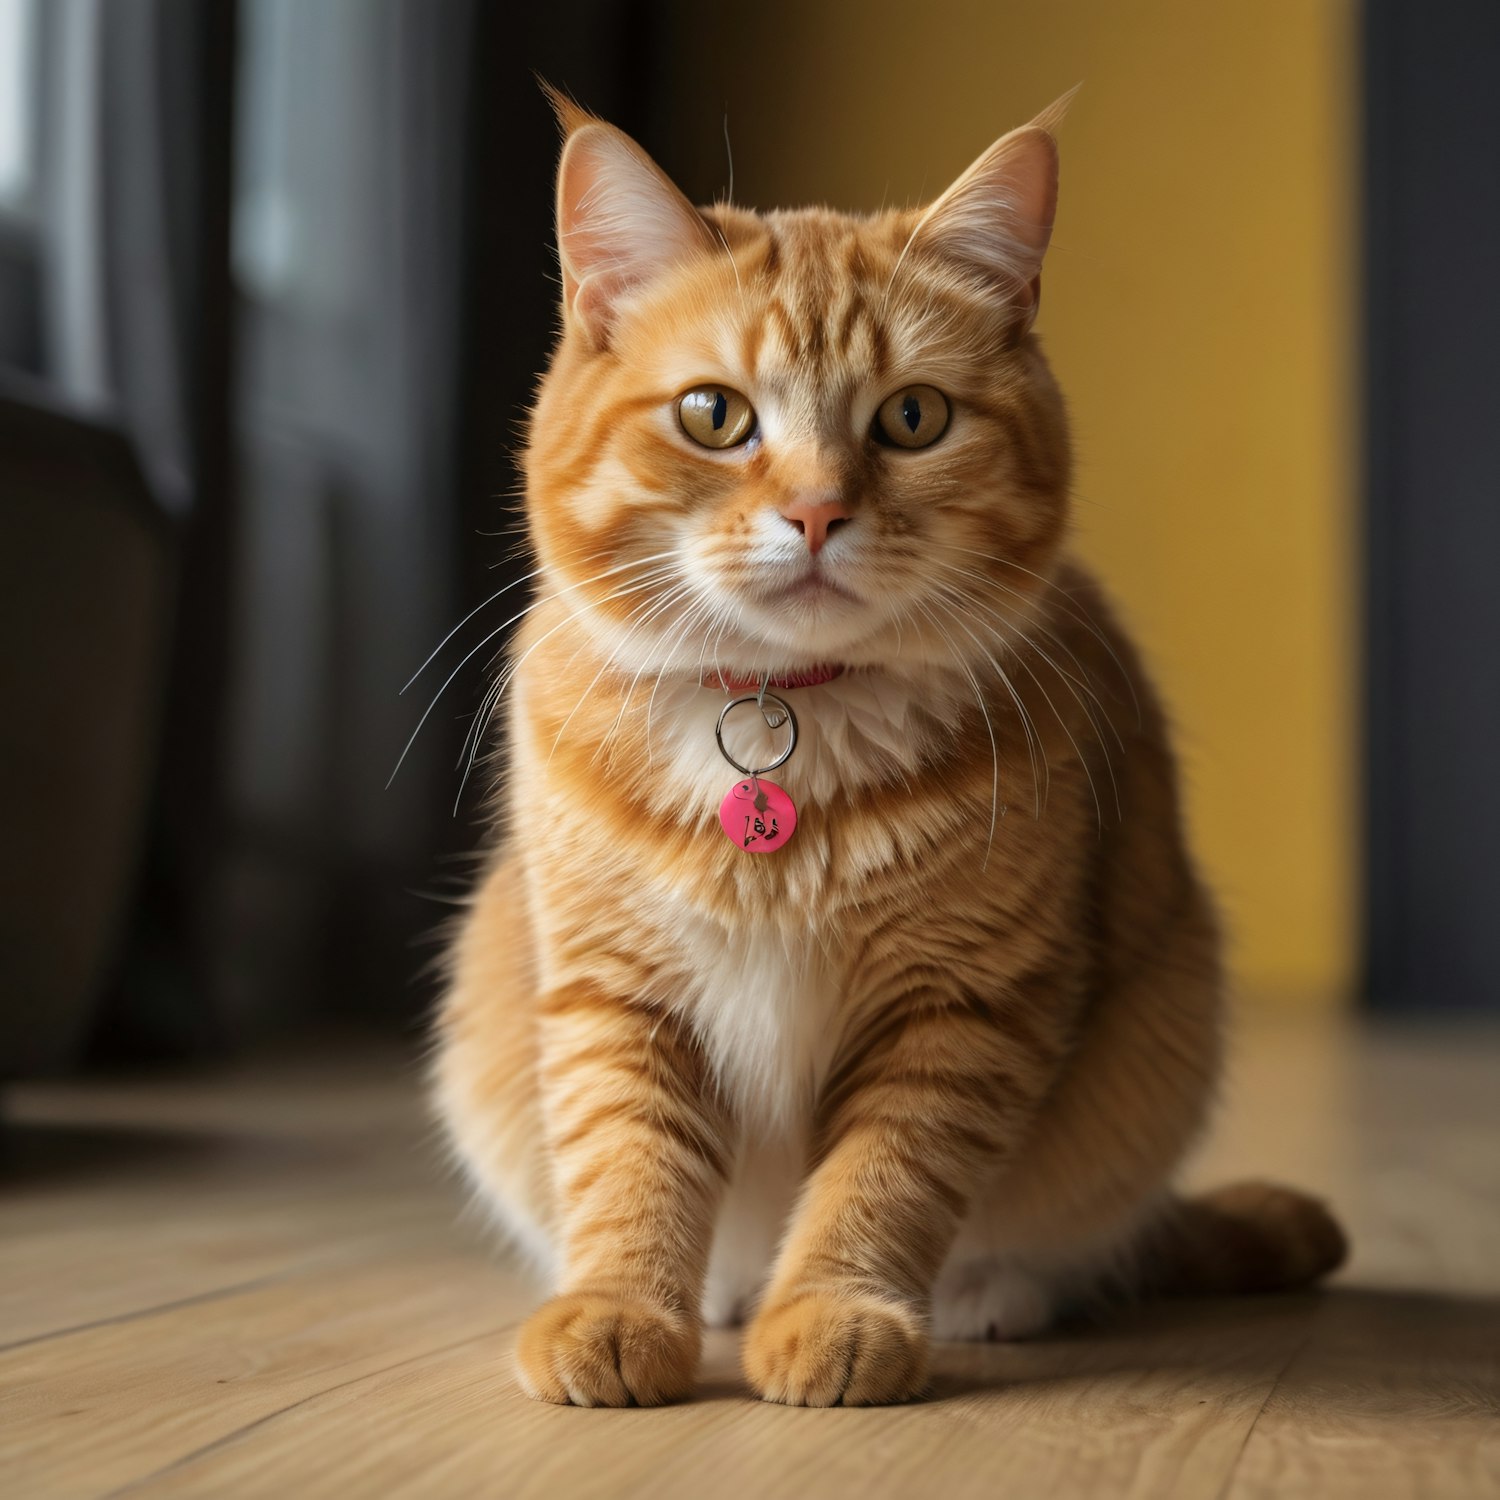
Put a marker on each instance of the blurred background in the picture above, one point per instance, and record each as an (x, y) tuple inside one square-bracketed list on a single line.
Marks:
[(276, 277)]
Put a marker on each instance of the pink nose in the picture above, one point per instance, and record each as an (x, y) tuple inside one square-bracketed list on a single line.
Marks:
[(816, 519)]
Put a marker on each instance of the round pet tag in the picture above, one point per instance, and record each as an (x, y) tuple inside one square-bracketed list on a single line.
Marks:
[(758, 816)]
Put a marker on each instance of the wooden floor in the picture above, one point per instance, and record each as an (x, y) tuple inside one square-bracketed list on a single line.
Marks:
[(260, 1284)]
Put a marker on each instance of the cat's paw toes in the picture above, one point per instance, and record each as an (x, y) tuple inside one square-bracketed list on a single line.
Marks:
[(588, 1349), (832, 1348)]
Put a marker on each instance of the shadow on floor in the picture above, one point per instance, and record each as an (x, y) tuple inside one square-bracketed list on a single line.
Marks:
[(1362, 1352), (1354, 1355), (33, 1154)]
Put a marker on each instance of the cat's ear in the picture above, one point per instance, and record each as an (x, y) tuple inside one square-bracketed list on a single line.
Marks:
[(997, 218), (620, 220)]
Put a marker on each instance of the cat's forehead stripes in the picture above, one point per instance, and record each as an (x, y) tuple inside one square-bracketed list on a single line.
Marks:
[(814, 306), (812, 287)]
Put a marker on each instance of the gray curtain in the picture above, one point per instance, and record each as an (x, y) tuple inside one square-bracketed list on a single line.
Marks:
[(244, 251), (106, 460), (348, 236), (297, 253)]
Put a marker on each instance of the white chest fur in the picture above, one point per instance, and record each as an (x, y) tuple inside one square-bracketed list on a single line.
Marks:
[(764, 1004), (763, 1001)]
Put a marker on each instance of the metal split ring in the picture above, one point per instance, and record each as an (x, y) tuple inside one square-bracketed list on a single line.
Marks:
[(760, 700)]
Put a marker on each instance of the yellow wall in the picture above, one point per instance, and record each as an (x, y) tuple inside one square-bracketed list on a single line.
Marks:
[(1198, 308)]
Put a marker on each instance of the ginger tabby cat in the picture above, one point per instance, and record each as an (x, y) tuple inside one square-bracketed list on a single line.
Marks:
[(928, 1069)]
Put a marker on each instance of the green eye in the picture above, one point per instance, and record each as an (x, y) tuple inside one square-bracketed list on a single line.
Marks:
[(716, 417), (912, 418)]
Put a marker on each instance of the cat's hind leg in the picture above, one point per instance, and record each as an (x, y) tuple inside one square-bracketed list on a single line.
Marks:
[(484, 1068), (992, 1298), (995, 1286), (1245, 1238)]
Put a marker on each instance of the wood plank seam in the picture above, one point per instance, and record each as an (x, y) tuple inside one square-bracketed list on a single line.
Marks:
[(349, 1252), (232, 1289), (243, 1431), (1293, 1356)]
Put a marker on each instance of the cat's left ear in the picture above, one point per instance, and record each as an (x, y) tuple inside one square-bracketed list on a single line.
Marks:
[(621, 221), (997, 218)]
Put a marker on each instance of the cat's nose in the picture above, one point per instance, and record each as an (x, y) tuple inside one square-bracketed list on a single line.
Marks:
[(816, 519)]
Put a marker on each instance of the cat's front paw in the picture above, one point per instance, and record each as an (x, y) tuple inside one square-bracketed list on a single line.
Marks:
[(591, 1349), (836, 1347)]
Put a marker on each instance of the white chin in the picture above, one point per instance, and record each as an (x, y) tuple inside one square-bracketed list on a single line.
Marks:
[(815, 630)]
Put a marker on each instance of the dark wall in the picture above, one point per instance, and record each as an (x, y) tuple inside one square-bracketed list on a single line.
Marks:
[(606, 56), (1432, 611)]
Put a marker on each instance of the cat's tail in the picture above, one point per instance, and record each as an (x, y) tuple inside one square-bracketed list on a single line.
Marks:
[(1247, 1237)]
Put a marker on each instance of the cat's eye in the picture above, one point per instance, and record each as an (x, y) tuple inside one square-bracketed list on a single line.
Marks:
[(912, 418), (716, 417)]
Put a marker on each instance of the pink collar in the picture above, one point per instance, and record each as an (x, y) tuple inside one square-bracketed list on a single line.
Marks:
[(812, 677)]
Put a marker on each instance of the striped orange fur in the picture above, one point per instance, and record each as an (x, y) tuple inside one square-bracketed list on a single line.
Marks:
[(929, 1069)]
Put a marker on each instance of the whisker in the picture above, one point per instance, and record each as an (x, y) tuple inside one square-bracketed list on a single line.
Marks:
[(1036, 751), (427, 712), (710, 614), (685, 626), (1006, 626), (597, 578), (481, 717), (505, 676), (1066, 729), (436, 651), (989, 728), (652, 609), (1062, 722), (1072, 605)]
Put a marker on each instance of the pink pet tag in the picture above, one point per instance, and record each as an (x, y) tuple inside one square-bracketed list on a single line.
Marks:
[(757, 815)]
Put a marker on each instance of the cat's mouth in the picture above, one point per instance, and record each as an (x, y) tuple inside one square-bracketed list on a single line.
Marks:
[(813, 588), (809, 677)]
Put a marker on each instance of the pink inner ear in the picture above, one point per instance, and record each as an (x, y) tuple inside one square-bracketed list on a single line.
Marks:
[(592, 302), (620, 222), (1031, 173), (998, 216)]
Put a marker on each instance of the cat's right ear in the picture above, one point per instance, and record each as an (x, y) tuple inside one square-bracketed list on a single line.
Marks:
[(621, 221), (997, 218)]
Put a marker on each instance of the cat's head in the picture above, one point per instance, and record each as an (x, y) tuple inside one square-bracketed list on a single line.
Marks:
[(784, 441)]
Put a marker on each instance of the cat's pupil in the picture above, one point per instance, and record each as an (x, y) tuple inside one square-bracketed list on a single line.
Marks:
[(721, 409), (911, 413)]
